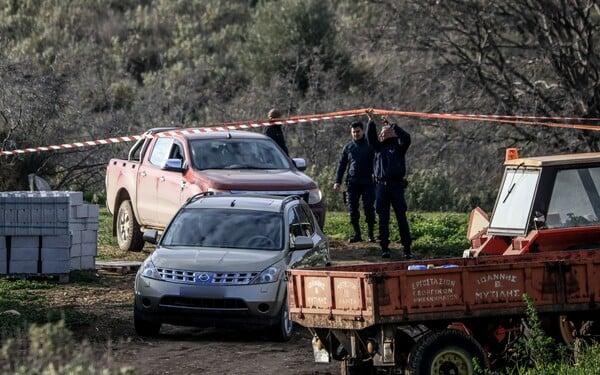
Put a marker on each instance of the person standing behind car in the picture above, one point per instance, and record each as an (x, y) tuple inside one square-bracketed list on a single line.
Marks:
[(357, 159), (275, 132), (389, 169)]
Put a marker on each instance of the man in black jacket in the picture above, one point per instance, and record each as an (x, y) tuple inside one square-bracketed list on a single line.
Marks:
[(275, 132), (357, 159), (389, 169)]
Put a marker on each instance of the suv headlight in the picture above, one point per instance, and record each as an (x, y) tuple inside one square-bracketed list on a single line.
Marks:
[(147, 269), (270, 275), (314, 196)]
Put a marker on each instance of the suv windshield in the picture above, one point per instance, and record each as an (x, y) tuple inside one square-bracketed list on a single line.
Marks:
[(237, 154), (227, 228)]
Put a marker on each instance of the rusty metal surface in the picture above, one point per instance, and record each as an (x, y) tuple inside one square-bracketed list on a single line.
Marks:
[(355, 297)]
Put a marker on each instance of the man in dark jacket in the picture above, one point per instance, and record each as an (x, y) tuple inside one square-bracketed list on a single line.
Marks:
[(389, 169), (275, 132), (357, 159)]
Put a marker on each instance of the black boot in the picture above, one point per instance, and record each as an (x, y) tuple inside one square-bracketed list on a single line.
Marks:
[(371, 234), (385, 250), (356, 237), (407, 253)]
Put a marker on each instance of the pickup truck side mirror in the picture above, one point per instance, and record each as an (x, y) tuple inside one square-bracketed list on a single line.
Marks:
[(300, 163), (301, 243), (151, 236), (175, 165)]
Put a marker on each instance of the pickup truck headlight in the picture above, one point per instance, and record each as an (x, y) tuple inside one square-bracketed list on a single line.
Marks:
[(147, 269), (314, 196), (270, 275)]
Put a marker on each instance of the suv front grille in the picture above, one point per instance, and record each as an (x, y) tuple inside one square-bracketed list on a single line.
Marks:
[(204, 303), (206, 278)]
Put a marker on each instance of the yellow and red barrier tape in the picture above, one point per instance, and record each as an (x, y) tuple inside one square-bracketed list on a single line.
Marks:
[(242, 125)]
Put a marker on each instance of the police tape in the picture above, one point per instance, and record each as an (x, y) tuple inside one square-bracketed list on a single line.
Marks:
[(292, 120)]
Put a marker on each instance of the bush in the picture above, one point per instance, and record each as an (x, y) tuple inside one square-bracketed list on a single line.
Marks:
[(51, 349)]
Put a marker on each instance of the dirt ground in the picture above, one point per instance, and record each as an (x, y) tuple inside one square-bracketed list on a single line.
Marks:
[(184, 350)]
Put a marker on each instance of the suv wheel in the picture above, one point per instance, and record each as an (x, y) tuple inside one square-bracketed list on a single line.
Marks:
[(144, 327), (129, 234), (284, 329)]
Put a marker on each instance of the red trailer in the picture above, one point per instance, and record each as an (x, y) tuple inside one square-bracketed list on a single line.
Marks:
[(437, 316)]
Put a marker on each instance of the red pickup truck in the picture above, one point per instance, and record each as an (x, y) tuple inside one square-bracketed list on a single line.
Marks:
[(169, 165)]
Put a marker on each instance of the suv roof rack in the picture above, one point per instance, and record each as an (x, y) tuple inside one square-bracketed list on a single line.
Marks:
[(195, 197)]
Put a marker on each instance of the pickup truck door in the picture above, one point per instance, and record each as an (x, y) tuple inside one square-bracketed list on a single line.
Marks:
[(171, 187), (149, 177)]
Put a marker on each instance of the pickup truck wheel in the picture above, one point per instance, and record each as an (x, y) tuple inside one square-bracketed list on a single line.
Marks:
[(446, 352), (284, 329), (129, 234)]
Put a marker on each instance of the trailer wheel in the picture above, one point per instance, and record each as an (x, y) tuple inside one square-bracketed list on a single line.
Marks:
[(129, 234), (447, 352), (589, 333)]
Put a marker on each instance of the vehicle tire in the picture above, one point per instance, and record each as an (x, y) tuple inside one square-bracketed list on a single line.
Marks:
[(129, 234), (589, 334), (284, 329), (144, 327), (447, 352)]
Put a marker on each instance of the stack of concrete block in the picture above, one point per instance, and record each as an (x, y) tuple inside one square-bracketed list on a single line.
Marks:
[(47, 232)]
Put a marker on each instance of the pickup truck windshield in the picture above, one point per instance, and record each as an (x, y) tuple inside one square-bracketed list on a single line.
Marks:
[(235, 229), (237, 154)]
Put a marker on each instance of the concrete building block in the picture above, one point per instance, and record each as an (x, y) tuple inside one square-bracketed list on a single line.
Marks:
[(79, 211), (56, 254), (89, 248), (75, 197), (63, 241), (76, 250), (3, 265), (75, 263), (25, 241), (88, 262), (2, 243), (50, 266), (77, 226), (29, 254), (93, 211), (22, 266), (76, 237), (89, 236)]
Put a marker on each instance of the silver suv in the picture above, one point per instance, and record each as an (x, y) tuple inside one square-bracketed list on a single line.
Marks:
[(222, 260)]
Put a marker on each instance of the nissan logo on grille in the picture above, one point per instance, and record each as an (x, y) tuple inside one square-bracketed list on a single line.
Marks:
[(202, 277)]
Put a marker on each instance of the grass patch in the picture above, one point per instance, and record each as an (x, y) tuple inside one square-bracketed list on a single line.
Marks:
[(434, 234)]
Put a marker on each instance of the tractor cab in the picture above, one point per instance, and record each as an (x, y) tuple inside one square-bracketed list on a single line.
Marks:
[(547, 203)]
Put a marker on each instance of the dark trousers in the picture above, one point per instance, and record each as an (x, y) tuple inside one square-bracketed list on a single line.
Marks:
[(386, 196), (354, 191)]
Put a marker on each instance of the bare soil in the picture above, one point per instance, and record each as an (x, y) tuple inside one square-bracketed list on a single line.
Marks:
[(185, 350)]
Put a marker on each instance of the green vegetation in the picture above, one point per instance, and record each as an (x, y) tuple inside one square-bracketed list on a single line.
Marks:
[(535, 353), (435, 235), (51, 349)]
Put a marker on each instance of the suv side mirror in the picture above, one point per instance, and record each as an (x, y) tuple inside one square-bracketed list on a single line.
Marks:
[(300, 163), (301, 243), (175, 165), (151, 236)]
